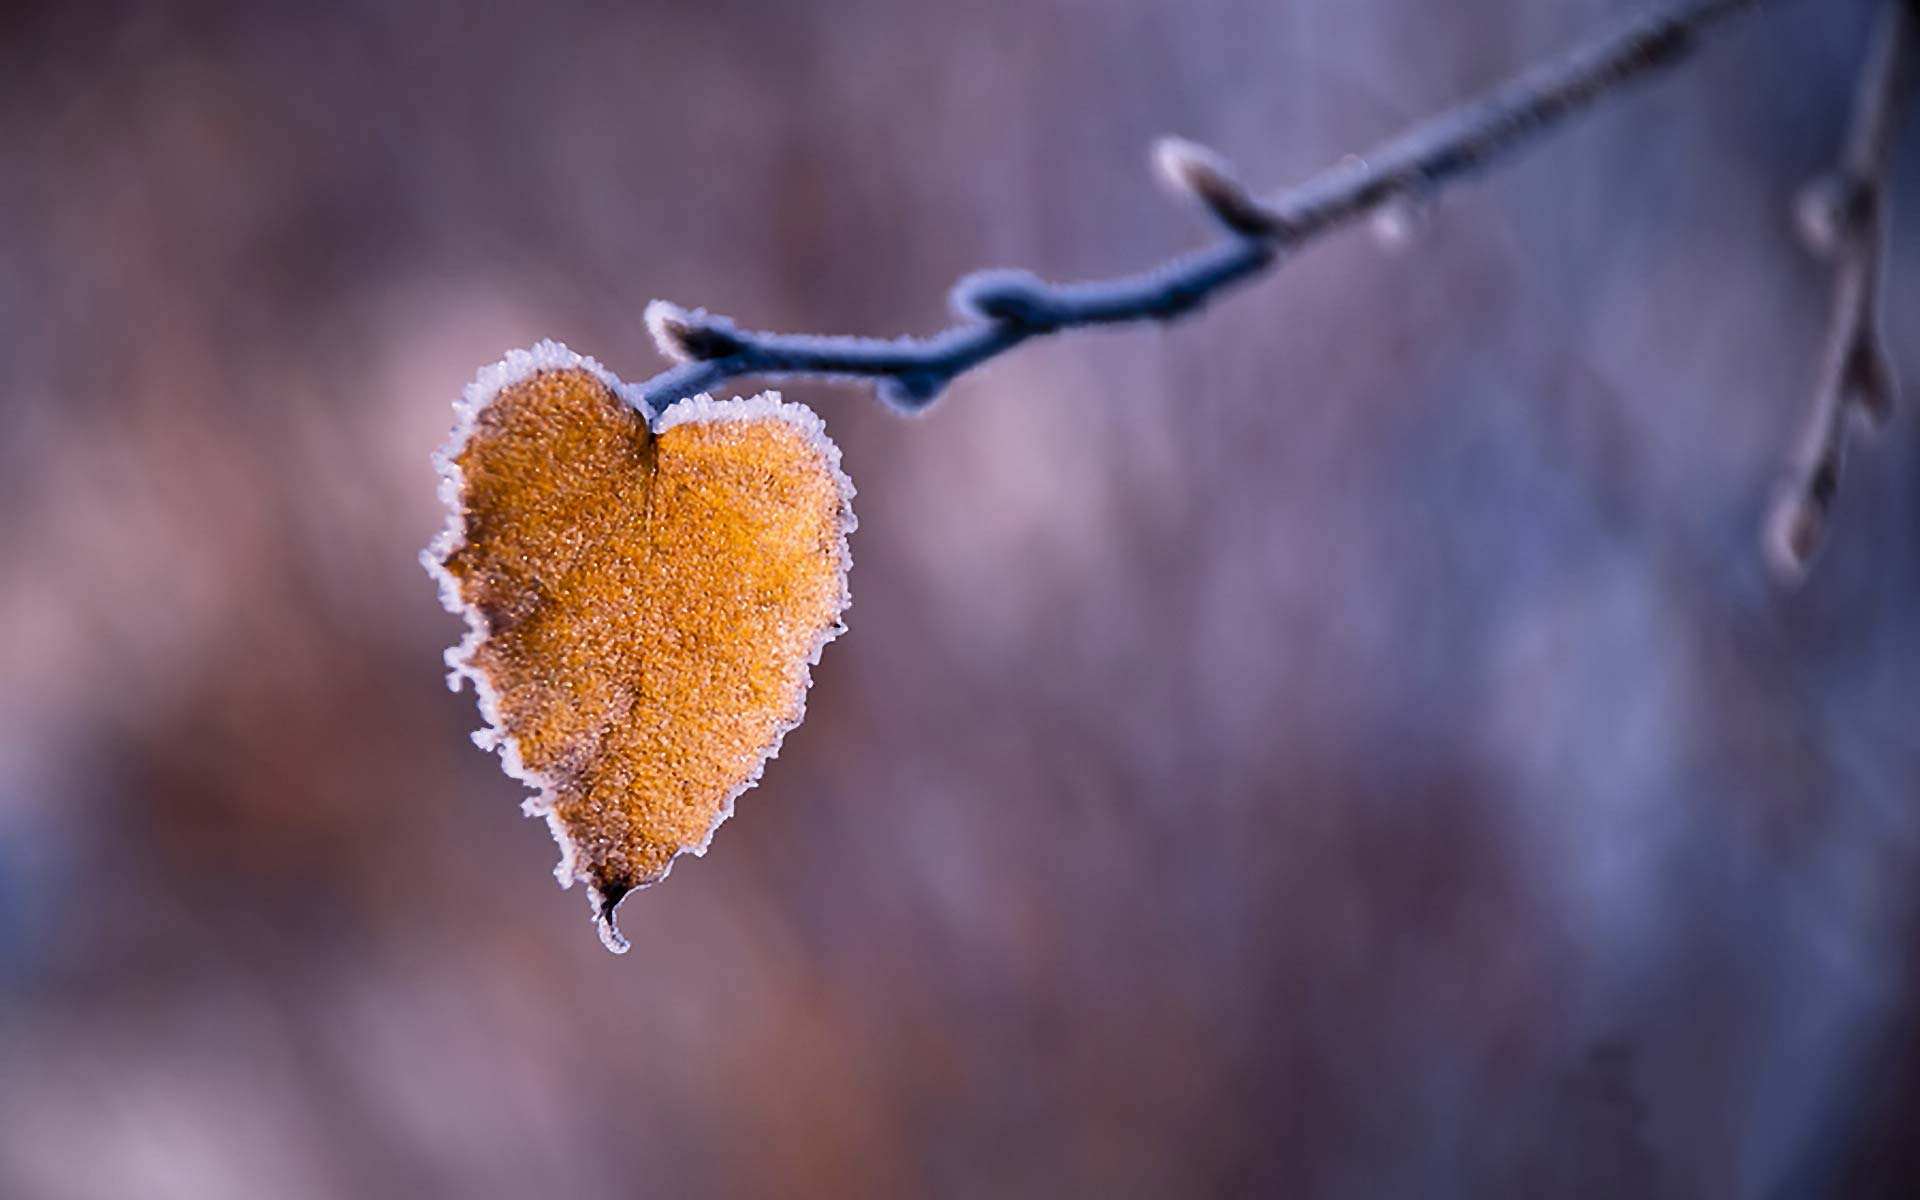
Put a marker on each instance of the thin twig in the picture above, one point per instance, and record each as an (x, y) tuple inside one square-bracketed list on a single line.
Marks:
[(1005, 308), (1843, 216)]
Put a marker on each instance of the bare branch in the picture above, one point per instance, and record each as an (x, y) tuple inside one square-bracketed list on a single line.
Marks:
[(1843, 216), (1005, 308), (1465, 139)]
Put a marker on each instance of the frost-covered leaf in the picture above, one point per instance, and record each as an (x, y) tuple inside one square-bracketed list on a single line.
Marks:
[(643, 601)]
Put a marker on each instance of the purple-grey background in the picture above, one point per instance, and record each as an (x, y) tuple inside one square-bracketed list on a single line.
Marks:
[(1344, 745)]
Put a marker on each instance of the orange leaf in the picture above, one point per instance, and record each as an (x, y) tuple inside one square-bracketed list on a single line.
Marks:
[(643, 601)]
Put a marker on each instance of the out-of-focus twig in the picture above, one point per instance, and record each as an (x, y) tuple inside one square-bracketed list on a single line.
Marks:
[(1005, 308), (1843, 216)]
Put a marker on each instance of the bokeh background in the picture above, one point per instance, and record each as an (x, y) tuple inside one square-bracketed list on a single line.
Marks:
[(1343, 745)]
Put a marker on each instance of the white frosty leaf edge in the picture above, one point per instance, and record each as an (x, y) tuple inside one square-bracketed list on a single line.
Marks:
[(520, 365)]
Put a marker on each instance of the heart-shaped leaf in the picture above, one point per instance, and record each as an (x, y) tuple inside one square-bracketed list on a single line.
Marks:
[(643, 600)]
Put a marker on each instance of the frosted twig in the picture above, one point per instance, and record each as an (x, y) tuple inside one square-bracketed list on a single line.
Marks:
[(1843, 216), (1002, 309)]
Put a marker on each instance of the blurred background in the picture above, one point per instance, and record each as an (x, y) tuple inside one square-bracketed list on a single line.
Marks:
[(1343, 745)]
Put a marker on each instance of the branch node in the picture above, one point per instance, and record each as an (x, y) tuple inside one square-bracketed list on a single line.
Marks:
[(1400, 222), (909, 393), (1795, 528), (1196, 171), (1869, 380), (1832, 211), (1011, 297), (694, 335)]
